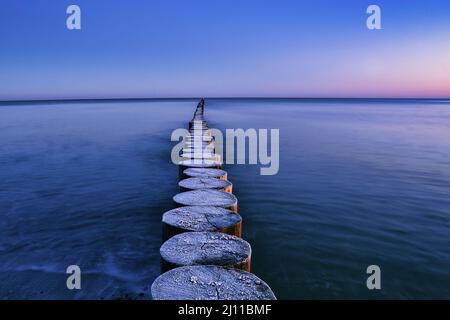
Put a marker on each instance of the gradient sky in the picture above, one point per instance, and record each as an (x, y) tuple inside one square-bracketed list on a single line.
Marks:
[(224, 48)]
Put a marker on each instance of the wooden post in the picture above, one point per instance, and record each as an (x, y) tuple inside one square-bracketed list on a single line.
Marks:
[(201, 156), (199, 137), (209, 283), (199, 145), (205, 173), (198, 125), (207, 149), (199, 132), (200, 219), (205, 248), (207, 198), (200, 164), (195, 163), (190, 184)]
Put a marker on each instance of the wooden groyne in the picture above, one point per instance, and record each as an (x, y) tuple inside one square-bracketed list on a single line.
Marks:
[(203, 256)]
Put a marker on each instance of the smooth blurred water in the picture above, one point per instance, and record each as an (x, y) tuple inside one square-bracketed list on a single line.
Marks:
[(360, 183)]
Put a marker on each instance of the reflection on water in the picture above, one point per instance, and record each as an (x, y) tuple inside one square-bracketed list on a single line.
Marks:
[(360, 183)]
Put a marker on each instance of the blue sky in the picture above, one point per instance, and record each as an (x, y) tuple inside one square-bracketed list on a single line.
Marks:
[(224, 48)]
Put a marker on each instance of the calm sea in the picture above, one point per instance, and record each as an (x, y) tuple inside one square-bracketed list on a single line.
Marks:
[(360, 183)]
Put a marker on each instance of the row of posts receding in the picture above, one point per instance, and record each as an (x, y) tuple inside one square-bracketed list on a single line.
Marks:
[(203, 255)]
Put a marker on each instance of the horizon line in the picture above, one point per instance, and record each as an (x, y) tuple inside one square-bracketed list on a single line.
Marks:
[(62, 100)]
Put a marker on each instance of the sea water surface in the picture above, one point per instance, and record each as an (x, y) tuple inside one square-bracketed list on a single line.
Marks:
[(360, 183)]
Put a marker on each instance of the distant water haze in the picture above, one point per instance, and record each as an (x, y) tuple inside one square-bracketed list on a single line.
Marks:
[(360, 183), (232, 48)]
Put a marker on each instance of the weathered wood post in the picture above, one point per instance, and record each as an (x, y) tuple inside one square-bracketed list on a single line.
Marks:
[(198, 163), (199, 145), (201, 219), (200, 156), (191, 184), (210, 283), (207, 198), (193, 149), (205, 173), (198, 125), (205, 248)]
